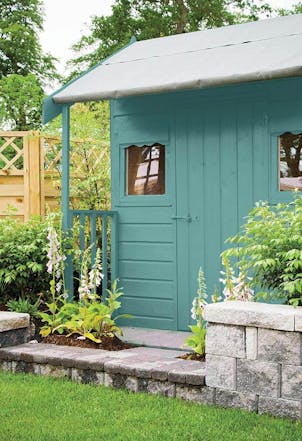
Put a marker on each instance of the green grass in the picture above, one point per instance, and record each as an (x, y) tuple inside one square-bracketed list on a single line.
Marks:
[(46, 409)]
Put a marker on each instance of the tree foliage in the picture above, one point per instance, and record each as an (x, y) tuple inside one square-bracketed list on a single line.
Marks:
[(20, 50), (296, 9), (157, 18), (21, 101), (24, 67), (90, 167)]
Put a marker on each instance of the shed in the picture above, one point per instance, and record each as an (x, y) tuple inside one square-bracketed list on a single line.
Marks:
[(203, 125)]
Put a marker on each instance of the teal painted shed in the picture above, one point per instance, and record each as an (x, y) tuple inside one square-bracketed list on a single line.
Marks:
[(203, 125)]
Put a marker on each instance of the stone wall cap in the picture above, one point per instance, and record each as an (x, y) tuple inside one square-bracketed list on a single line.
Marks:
[(254, 314), (13, 320)]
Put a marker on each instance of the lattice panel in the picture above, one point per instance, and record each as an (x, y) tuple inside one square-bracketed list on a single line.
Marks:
[(83, 155), (52, 149), (11, 153)]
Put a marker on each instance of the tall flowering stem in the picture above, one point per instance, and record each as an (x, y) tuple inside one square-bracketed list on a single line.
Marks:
[(55, 263), (91, 279), (200, 301), (197, 340), (235, 287)]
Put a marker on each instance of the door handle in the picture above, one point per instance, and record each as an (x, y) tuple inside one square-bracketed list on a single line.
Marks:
[(184, 218)]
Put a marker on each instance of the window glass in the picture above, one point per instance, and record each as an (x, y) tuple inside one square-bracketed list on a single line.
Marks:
[(290, 161), (145, 169)]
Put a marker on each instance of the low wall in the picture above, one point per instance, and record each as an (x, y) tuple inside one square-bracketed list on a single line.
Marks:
[(14, 329), (253, 360), (254, 357)]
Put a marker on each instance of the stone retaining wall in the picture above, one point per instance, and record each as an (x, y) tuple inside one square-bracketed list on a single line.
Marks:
[(140, 369), (14, 328), (253, 361), (254, 357)]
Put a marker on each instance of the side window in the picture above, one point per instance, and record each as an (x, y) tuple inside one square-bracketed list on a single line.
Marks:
[(145, 170), (290, 161)]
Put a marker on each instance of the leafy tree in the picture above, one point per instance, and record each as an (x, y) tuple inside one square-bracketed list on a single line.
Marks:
[(20, 50), (90, 164), (157, 18), (20, 101), (24, 68)]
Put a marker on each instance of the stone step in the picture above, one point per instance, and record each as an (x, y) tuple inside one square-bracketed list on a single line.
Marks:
[(14, 328)]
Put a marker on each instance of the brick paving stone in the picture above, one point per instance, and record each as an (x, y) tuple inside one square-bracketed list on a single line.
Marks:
[(162, 369), (120, 367), (196, 378)]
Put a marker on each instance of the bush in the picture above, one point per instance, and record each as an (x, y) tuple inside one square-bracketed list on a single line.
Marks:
[(24, 305), (269, 250), (23, 258)]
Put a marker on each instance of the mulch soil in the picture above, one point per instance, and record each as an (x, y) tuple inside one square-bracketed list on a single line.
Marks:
[(108, 343), (192, 356)]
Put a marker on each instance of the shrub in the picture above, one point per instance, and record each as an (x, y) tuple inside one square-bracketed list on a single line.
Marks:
[(269, 250), (23, 258), (24, 305)]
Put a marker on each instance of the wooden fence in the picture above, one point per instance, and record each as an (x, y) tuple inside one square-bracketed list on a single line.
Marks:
[(30, 171)]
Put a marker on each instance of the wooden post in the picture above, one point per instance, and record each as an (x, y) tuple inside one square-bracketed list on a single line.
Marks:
[(32, 175), (67, 220)]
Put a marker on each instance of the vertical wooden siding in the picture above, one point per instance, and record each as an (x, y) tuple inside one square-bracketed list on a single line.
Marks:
[(226, 160)]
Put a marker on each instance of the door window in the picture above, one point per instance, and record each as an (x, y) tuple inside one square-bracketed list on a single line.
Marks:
[(145, 170)]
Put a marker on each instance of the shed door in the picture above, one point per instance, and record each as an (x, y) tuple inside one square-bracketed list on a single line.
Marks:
[(220, 162), (143, 192)]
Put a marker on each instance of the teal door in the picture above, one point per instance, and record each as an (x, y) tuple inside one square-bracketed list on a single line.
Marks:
[(143, 193)]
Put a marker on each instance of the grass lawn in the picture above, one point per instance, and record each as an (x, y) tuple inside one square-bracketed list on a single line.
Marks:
[(46, 409)]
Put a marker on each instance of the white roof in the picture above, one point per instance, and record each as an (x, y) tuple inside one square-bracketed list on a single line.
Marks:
[(253, 51)]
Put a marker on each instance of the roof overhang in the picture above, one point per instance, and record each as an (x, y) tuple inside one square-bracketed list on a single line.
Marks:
[(263, 50)]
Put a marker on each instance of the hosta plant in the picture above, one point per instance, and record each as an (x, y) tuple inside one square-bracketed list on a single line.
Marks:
[(93, 319)]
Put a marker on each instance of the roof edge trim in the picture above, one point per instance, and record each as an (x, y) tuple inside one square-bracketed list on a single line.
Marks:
[(51, 109)]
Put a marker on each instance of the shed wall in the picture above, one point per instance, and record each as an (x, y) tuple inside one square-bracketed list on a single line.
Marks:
[(222, 157)]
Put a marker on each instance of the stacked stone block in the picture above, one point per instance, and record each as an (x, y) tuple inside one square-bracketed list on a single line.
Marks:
[(14, 328), (254, 357), (140, 369)]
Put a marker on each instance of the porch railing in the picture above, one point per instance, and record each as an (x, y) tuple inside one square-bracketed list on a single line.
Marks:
[(95, 229)]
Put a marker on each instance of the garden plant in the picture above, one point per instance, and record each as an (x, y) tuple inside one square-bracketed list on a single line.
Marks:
[(268, 252), (89, 317)]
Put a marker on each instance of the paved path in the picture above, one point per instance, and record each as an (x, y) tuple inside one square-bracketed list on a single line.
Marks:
[(156, 338)]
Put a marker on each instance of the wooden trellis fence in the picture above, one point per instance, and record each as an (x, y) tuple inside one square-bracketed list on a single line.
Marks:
[(30, 171)]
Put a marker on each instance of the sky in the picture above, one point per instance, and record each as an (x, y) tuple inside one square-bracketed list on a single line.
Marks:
[(65, 21)]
